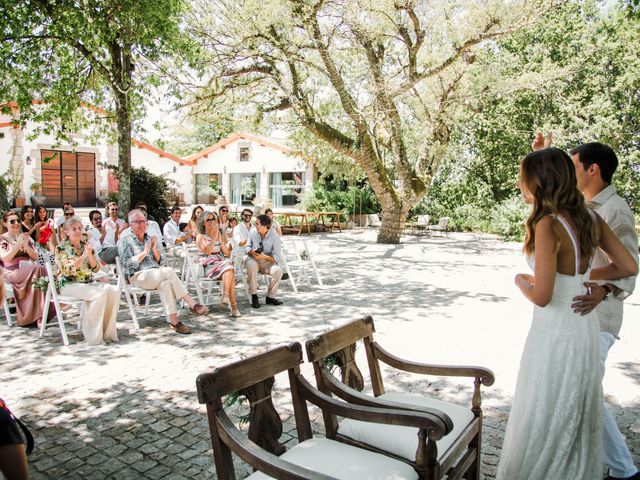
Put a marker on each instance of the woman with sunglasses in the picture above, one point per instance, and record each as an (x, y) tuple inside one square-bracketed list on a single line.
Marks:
[(78, 263), (68, 213), (18, 256), (212, 247)]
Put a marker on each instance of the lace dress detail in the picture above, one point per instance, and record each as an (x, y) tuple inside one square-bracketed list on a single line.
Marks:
[(555, 424), (214, 264)]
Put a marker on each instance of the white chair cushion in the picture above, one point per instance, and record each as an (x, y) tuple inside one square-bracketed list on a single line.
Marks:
[(403, 441), (343, 462)]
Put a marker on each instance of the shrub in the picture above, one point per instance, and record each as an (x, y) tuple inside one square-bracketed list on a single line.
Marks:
[(469, 218), (508, 218), (334, 199)]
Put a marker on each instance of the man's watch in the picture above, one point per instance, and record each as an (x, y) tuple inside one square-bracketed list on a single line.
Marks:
[(607, 291)]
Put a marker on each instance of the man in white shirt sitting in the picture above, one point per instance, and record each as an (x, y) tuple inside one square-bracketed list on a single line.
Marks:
[(242, 230), (173, 237), (112, 221), (102, 238)]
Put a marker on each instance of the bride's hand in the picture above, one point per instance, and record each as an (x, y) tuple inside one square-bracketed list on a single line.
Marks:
[(524, 280)]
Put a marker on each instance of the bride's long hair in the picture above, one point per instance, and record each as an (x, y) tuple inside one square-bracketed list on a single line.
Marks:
[(550, 176)]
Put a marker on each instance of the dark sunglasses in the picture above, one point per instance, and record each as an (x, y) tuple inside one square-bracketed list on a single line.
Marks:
[(247, 215), (13, 221), (210, 220), (113, 209), (68, 214), (97, 219), (224, 210)]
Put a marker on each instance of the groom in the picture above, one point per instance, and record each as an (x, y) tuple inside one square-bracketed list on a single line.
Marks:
[(595, 165)]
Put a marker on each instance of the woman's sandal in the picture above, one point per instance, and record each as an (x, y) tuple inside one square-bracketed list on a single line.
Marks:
[(235, 313), (199, 309)]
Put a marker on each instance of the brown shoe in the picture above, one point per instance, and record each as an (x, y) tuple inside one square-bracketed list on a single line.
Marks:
[(199, 309), (180, 328)]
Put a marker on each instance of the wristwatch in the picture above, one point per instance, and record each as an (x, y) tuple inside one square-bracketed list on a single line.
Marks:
[(607, 291)]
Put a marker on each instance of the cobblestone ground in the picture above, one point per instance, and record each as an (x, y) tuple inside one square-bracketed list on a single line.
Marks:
[(129, 410)]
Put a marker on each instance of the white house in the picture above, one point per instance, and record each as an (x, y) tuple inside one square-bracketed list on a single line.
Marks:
[(250, 169), (245, 168)]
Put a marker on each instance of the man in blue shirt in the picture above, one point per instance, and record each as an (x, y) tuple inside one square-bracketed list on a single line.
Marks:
[(264, 251), (142, 259)]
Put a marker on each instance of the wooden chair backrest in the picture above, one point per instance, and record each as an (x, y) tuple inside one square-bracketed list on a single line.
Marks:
[(253, 378)]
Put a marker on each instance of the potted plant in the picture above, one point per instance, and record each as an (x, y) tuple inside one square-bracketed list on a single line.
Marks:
[(37, 198)]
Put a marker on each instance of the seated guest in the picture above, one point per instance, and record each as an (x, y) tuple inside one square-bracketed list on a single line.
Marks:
[(265, 251), (68, 213), (19, 267), (241, 231), (103, 239), (274, 223), (28, 223), (44, 227), (61, 220), (223, 219), (118, 225), (174, 237), (195, 214), (142, 259), (153, 229), (212, 248), (77, 261)]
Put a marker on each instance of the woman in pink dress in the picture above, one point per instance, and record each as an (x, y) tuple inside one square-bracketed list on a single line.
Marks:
[(213, 247), (17, 247)]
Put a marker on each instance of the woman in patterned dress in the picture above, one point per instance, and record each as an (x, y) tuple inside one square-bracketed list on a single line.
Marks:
[(213, 248)]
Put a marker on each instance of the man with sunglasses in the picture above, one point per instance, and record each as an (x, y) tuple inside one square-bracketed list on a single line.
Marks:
[(264, 252), (242, 230), (102, 238), (113, 221)]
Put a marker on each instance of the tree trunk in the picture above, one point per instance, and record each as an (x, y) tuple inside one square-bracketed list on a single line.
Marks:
[(123, 114), (393, 219)]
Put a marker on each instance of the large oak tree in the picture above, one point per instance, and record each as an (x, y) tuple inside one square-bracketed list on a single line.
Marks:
[(377, 80)]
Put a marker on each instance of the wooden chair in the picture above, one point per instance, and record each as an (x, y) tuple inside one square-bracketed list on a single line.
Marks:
[(455, 455), (312, 458)]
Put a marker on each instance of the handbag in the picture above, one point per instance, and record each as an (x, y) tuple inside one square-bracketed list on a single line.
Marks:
[(14, 423), (45, 234)]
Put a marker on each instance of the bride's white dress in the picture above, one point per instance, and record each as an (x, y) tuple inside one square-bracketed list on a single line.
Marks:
[(555, 425)]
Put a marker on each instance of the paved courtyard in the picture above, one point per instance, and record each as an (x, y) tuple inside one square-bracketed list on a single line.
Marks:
[(129, 410)]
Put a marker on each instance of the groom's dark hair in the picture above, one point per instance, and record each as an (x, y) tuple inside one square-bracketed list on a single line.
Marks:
[(600, 154)]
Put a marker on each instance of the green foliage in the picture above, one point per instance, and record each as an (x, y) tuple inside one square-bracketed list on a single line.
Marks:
[(508, 218), (149, 188), (332, 197), (4, 194)]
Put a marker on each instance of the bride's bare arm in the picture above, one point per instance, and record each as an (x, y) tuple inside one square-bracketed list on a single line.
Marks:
[(621, 264), (539, 289)]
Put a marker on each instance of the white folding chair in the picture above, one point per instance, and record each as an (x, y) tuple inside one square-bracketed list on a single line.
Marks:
[(130, 294), (76, 304), (8, 289), (194, 275), (287, 269), (317, 258), (237, 258)]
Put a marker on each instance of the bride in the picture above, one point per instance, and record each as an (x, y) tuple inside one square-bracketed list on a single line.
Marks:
[(555, 425)]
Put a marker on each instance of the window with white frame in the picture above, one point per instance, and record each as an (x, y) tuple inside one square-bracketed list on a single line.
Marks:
[(286, 188), (244, 151)]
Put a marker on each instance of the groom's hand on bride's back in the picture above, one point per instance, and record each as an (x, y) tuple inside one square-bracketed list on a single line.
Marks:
[(584, 304)]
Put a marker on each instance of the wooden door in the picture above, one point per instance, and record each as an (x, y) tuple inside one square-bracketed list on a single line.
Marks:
[(68, 177)]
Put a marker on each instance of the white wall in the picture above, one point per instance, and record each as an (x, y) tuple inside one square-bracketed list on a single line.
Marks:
[(263, 159), (141, 157)]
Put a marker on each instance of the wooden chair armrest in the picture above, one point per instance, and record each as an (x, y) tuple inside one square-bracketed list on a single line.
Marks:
[(485, 375), (259, 458), (351, 395), (436, 425)]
